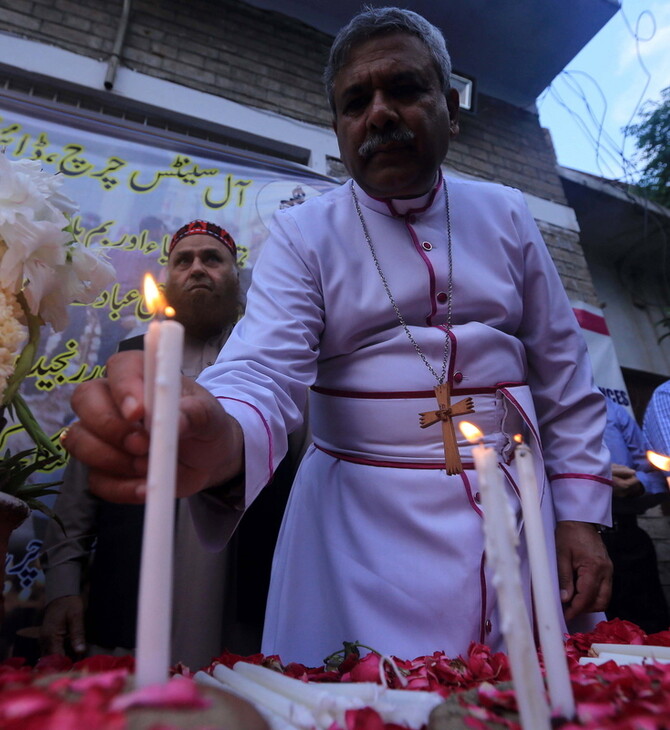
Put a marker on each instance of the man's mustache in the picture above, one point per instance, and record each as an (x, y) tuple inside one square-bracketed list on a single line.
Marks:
[(378, 139)]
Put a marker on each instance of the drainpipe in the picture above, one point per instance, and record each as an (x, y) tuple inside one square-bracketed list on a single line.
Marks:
[(113, 63)]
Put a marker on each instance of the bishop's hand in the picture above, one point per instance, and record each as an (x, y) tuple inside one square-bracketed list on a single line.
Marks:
[(584, 568), (110, 439)]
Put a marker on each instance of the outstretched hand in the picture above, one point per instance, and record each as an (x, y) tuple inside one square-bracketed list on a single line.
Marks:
[(111, 439), (62, 628), (584, 569), (626, 482)]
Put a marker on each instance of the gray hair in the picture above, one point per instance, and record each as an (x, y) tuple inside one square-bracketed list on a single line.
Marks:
[(372, 22)]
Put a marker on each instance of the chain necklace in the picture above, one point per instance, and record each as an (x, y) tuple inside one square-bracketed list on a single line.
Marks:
[(450, 287), (445, 411)]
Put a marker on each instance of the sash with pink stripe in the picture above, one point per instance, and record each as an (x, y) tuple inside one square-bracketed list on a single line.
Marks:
[(383, 428)]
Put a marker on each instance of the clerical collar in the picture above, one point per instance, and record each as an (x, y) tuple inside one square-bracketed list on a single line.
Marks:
[(400, 207)]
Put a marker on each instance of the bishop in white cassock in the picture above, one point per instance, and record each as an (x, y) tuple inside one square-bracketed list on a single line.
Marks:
[(366, 299), (378, 543)]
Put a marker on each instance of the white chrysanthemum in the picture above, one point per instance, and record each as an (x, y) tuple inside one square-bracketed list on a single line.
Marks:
[(80, 279), (39, 257), (29, 191), (12, 335)]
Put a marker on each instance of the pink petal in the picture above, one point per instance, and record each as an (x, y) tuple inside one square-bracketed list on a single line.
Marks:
[(113, 680), (175, 693), (22, 703)]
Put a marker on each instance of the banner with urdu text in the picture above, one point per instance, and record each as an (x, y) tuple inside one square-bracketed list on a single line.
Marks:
[(134, 188)]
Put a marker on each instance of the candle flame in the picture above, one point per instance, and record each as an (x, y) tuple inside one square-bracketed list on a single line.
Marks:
[(152, 294), (659, 461), (518, 438), (470, 431), (155, 299)]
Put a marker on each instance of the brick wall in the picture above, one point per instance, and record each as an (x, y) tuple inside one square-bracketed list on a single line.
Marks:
[(250, 56), (266, 60), (568, 256)]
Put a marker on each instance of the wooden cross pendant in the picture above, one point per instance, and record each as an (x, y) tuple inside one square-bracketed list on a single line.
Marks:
[(445, 414)]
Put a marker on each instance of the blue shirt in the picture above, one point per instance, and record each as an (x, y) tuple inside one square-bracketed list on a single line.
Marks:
[(628, 446), (657, 420)]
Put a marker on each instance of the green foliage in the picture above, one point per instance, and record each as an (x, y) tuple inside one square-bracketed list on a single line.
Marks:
[(652, 135), (15, 469), (334, 660)]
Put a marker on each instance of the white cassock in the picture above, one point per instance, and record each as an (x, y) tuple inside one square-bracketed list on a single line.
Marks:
[(378, 544)]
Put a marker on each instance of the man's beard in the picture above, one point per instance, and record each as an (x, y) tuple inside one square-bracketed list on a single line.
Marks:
[(378, 139), (205, 313)]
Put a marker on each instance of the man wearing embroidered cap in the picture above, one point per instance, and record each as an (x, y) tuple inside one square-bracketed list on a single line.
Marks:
[(203, 280), (202, 284), (369, 297)]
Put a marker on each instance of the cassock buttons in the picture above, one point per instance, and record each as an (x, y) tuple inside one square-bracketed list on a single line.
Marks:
[(442, 297), (458, 376), (488, 626), (427, 246), (478, 498)]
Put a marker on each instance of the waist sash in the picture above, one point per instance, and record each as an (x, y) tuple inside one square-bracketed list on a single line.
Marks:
[(383, 428)]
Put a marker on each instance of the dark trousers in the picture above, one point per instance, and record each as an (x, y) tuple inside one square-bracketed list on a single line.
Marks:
[(637, 595)]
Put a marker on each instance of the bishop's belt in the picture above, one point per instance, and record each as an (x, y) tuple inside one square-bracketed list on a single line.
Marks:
[(383, 429)]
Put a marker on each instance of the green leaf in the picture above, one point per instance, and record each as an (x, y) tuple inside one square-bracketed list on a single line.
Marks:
[(35, 491), (26, 359), (32, 427), (41, 507)]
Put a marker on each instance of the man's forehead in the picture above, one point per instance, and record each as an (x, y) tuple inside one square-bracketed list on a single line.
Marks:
[(353, 83), (400, 56), (201, 242)]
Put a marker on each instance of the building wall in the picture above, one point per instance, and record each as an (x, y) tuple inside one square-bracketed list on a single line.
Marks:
[(269, 61)]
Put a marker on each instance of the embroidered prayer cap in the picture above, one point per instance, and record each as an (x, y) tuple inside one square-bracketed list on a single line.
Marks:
[(208, 229)]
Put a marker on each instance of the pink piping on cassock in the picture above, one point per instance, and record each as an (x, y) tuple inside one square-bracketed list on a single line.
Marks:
[(265, 424)]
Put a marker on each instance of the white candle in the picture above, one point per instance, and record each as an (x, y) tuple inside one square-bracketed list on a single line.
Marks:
[(314, 696), (296, 713), (155, 302), (501, 554), (546, 610), (621, 659), (644, 650), (154, 616), (150, 354)]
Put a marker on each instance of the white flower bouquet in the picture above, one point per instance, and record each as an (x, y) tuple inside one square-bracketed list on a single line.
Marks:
[(42, 271)]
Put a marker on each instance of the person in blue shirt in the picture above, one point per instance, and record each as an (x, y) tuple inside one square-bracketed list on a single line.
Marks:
[(656, 422), (637, 594)]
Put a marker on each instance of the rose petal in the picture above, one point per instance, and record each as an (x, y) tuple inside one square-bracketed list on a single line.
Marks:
[(175, 693)]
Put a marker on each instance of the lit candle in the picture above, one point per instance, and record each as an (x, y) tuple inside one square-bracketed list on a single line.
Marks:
[(154, 303), (154, 615), (501, 554), (546, 610)]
